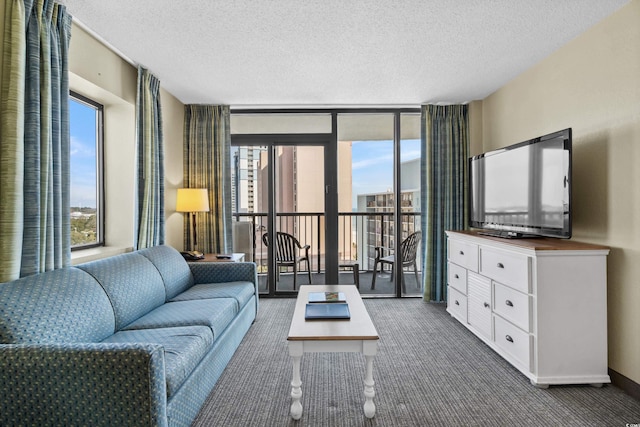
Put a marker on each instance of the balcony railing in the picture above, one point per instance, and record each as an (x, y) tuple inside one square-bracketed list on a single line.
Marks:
[(358, 234)]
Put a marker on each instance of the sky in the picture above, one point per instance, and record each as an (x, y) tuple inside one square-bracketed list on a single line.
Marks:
[(372, 165), (83, 154), (372, 161)]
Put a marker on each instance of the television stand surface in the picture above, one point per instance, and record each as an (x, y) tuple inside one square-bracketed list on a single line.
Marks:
[(507, 234)]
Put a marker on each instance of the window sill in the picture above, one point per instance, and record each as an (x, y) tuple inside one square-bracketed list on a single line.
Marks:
[(86, 255)]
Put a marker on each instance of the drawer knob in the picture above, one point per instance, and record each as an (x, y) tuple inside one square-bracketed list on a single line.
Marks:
[(456, 276), (500, 265), (457, 303), (508, 338), (509, 303), (461, 252), (486, 305)]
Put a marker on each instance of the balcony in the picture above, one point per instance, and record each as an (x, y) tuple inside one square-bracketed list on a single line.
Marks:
[(359, 234)]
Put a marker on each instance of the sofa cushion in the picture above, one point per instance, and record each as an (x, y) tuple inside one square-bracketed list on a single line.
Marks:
[(184, 348), (214, 313), (132, 283), (240, 291), (59, 306), (174, 270)]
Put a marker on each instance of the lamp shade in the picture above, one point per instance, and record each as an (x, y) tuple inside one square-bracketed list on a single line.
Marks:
[(192, 200)]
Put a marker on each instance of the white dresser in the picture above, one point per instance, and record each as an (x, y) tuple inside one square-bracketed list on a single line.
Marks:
[(540, 303)]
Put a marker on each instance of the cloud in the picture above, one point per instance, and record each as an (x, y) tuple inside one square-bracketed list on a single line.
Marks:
[(410, 155), (79, 148), (371, 161)]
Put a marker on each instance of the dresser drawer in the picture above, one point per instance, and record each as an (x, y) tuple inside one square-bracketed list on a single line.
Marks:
[(457, 304), (479, 303), (457, 277), (507, 268), (513, 341), (512, 305), (464, 254)]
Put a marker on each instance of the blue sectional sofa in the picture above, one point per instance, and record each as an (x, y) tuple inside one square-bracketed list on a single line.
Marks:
[(136, 339)]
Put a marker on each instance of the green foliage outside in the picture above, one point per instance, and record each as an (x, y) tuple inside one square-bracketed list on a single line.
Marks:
[(83, 226)]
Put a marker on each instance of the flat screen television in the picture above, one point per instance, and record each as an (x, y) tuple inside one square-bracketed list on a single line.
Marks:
[(523, 190)]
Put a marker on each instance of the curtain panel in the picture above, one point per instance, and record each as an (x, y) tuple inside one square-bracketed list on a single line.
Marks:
[(150, 221), (207, 146), (445, 151), (35, 149)]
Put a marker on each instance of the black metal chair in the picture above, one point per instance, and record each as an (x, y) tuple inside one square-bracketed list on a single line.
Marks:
[(287, 252), (408, 251)]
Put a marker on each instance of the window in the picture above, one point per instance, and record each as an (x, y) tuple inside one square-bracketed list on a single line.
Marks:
[(86, 124), (372, 158)]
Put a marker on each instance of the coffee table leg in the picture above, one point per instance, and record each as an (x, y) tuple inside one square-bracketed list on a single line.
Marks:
[(295, 351), (369, 350)]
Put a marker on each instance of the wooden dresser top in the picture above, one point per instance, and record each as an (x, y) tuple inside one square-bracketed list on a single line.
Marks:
[(537, 243)]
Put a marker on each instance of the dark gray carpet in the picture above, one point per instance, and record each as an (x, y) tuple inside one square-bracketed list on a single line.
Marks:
[(429, 371)]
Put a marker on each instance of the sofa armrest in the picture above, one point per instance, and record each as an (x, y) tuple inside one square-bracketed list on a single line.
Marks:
[(82, 384), (221, 272)]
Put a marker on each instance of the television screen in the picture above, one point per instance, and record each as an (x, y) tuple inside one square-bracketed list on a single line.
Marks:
[(524, 189)]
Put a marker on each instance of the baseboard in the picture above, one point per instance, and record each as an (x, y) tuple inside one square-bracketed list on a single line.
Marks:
[(630, 387)]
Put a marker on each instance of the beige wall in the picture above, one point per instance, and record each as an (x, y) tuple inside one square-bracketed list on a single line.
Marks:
[(173, 124), (592, 85), (100, 74), (475, 128)]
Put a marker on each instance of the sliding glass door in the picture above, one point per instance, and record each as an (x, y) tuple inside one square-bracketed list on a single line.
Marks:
[(342, 204), (279, 188), (298, 247), (379, 181)]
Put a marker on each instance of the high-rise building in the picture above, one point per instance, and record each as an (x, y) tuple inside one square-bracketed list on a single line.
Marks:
[(244, 176), (378, 227)]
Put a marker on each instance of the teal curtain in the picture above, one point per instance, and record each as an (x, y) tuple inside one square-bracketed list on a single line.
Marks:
[(207, 146), (150, 223), (35, 173), (445, 152), (12, 140)]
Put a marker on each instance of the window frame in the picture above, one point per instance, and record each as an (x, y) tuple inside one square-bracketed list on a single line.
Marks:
[(100, 220), (243, 135)]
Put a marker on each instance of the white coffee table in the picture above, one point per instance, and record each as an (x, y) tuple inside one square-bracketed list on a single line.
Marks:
[(357, 334)]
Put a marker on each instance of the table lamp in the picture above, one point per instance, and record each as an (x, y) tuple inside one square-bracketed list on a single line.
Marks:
[(192, 200)]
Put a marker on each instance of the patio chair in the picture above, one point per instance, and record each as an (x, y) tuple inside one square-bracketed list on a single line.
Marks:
[(287, 251), (408, 250)]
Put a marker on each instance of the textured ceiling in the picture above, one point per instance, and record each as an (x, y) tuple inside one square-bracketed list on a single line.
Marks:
[(266, 53)]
